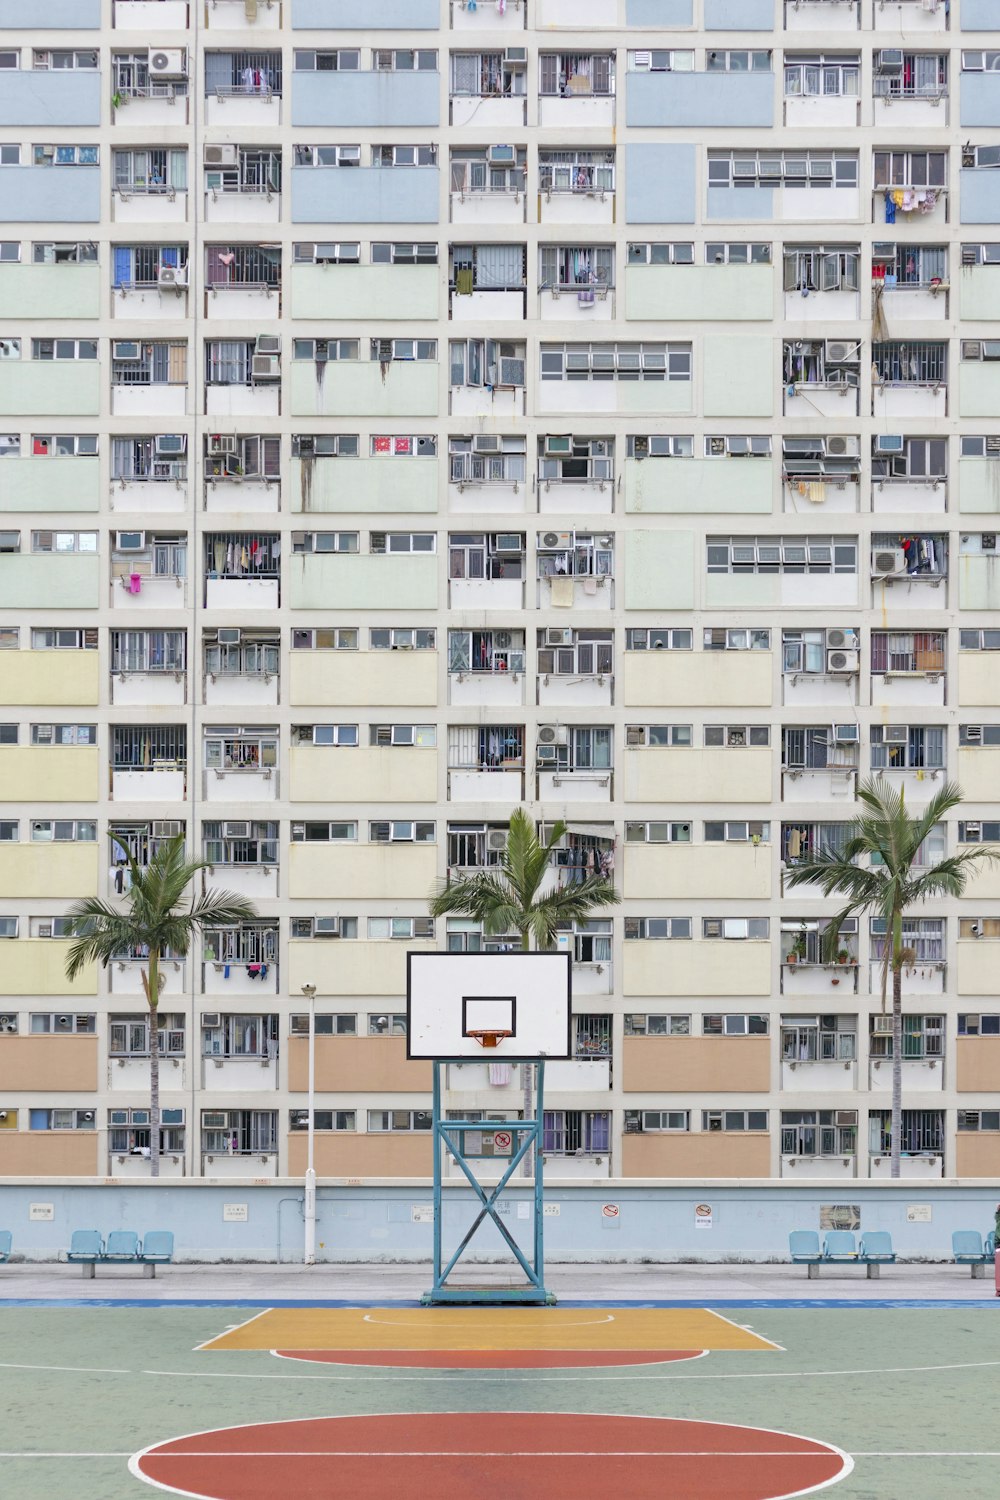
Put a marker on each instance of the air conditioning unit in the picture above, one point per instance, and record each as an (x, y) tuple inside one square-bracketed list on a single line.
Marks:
[(973, 828), (839, 353), (265, 367), (502, 156), (553, 734), (559, 636), (885, 564), (846, 734), (168, 829), (383, 349), (172, 277), (515, 57), (842, 447), (894, 734), (544, 753), (171, 62), (882, 1025), (882, 250), (552, 540), (558, 447), (211, 1019), (843, 663), (841, 639), (215, 1119), (487, 442), (993, 445), (972, 349), (508, 541), (238, 830), (635, 734), (326, 927), (220, 156), (496, 839), (125, 349), (267, 343), (130, 541), (171, 445), (220, 443), (229, 635), (973, 736), (889, 60)]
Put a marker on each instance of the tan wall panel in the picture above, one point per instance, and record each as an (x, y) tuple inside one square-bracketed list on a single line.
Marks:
[(48, 1153), (736, 1154), (977, 1065), (46, 1064), (698, 871), (696, 1064), (977, 1155), (49, 870), (365, 678), (399, 774), (979, 774), (698, 968), (696, 775), (384, 872), (357, 1064), (978, 967), (344, 1154)]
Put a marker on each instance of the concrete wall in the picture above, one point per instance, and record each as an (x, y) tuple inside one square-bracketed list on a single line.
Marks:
[(49, 773), (711, 1064), (655, 775), (701, 293), (369, 485), (60, 98), (699, 1156), (709, 968), (46, 388), (659, 570), (679, 872), (395, 774), (48, 484), (366, 15), (352, 968), (349, 581), (739, 15), (357, 1064), (376, 292), (46, 1064), (659, 183), (361, 195), (740, 377), (977, 1065), (55, 195), (704, 100), (978, 15), (70, 291), (655, 14), (716, 678), (382, 872), (37, 966), (979, 195), (699, 486), (59, 15), (365, 99), (979, 97), (359, 389), (364, 678), (751, 1220), (979, 485), (49, 871), (46, 580)]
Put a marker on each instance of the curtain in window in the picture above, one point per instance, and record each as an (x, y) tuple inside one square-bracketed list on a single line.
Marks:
[(465, 73), (176, 363), (499, 266), (218, 71)]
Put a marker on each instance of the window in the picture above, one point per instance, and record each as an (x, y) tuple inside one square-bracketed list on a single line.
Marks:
[(648, 929), (908, 651), (323, 1119), (819, 747), (589, 654), (423, 736), (240, 1036), (8, 734), (324, 541), (979, 1119), (981, 447), (737, 736), (9, 830), (344, 638), (395, 446), (723, 253), (922, 1133), (387, 350), (10, 155), (733, 1119), (807, 76), (486, 75), (10, 445), (819, 1132), (134, 363), (402, 832), (129, 1035), (52, 927), (776, 554), (494, 747), (660, 446), (657, 1120), (981, 1025), (569, 267), (64, 445), (388, 1025), (45, 639), (149, 651), (655, 638), (323, 350), (335, 1024), (481, 170), (587, 749), (487, 268), (325, 927), (575, 74), (239, 1132), (242, 842), (64, 156), (253, 943), (737, 831), (246, 73), (244, 749), (657, 1025), (326, 445), (659, 736), (64, 59), (486, 362), (745, 446), (8, 927), (979, 927), (64, 734), (250, 658), (657, 833), (921, 459), (566, 460), (157, 170), (923, 76), (329, 253), (806, 941), (923, 1037), (403, 60), (910, 169), (576, 1132), (402, 639), (380, 928), (327, 156), (660, 253), (659, 61), (402, 541), (60, 253), (398, 1119), (910, 362), (818, 1038), (977, 62), (589, 172), (906, 747), (737, 61), (743, 639), (912, 266), (346, 60), (129, 1131), (242, 265), (821, 269), (404, 253), (64, 541), (61, 1119), (979, 833), (735, 929), (404, 156), (63, 830), (151, 458), (44, 1023), (616, 362), (63, 349), (790, 169), (923, 940), (324, 833), (486, 651)]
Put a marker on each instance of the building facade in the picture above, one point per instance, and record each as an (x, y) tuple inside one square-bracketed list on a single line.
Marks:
[(587, 406)]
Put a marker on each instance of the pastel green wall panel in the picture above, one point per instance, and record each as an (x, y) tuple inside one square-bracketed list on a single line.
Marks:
[(46, 581), (362, 582), (979, 582), (397, 292), (49, 484), (359, 389), (45, 388), (699, 486), (69, 291), (979, 485), (978, 389), (740, 377), (700, 293), (367, 485), (659, 569)]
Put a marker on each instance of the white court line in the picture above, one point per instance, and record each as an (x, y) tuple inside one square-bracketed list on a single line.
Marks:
[(604, 1452), (65, 1455), (499, 1452), (302, 1358), (72, 1369), (231, 1328), (744, 1329), (489, 1322)]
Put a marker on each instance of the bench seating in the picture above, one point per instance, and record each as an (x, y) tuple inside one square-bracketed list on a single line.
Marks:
[(123, 1247), (840, 1248), (6, 1240), (968, 1248)]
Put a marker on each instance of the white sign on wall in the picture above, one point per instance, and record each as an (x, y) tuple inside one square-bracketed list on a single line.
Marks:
[(703, 1216), (41, 1211), (235, 1213), (919, 1213), (422, 1213)]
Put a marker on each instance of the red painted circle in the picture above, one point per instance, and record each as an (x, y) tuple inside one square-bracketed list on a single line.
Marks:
[(489, 1359), (492, 1456)]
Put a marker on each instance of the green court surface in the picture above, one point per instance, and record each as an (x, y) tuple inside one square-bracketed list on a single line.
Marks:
[(911, 1394)]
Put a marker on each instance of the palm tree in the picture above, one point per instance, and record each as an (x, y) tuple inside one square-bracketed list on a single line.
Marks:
[(505, 898), (151, 921), (887, 888)]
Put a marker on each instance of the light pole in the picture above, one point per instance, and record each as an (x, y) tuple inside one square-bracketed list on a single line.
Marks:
[(309, 1205)]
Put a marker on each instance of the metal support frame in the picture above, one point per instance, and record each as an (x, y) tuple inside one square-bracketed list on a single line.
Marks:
[(450, 1135)]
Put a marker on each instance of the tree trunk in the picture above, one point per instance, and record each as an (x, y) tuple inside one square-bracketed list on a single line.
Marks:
[(896, 1125), (151, 984), (528, 1081)]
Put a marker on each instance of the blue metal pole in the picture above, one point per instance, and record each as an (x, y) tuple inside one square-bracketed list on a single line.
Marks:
[(438, 1147), (539, 1175)]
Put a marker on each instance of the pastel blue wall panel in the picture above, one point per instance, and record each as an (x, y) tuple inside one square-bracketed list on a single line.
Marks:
[(700, 99), (659, 183), (365, 195), (979, 98), (366, 15), (54, 15), (750, 204), (739, 15), (979, 196), (366, 99), (58, 195), (979, 15), (61, 98), (658, 13)]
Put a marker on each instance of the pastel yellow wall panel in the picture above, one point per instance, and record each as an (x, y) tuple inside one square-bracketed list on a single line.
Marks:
[(672, 872), (63, 679), (724, 679), (351, 968), (707, 968), (381, 872), (49, 773), (48, 870), (364, 678), (365, 774), (698, 775), (37, 966)]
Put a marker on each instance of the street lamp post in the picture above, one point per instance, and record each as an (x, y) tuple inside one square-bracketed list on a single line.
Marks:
[(309, 1205)]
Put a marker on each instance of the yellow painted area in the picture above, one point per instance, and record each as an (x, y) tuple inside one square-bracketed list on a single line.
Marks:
[(454, 1328)]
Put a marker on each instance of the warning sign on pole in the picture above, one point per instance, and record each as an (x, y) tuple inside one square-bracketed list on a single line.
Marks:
[(501, 1140)]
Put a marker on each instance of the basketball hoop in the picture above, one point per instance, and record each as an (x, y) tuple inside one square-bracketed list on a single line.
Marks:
[(489, 1038)]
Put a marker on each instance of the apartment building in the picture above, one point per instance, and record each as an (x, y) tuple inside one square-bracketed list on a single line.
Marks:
[(586, 404)]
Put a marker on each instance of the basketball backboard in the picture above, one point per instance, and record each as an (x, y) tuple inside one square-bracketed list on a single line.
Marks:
[(451, 995)]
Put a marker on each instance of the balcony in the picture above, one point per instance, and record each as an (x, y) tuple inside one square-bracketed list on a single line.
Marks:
[(577, 109), (920, 1075), (242, 571), (910, 572), (146, 16), (913, 1166), (227, 979), (488, 689), (471, 19), (833, 783), (144, 689), (823, 15), (255, 881), (820, 1168), (162, 783), (146, 591), (922, 977), (357, 1064), (504, 591), (822, 1076), (235, 15)]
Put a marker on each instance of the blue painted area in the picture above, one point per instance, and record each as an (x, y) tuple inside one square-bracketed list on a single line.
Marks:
[(702, 99), (58, 195), (366, 15), (750, 203), (365, 195), (384, 99), (978, 15), (657, 14), (60, 98), (659, 183), (979, 98), (884, 1304), (979, 195), (54, 15), (739, 15)]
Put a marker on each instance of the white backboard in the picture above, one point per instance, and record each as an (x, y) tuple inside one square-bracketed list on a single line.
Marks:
[(448, 995)]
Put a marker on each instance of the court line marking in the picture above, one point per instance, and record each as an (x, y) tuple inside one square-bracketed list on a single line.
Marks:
[(233, 1328), (847, 1462), (490, 1318), (858, 1453), (653, 1360), (72, 1369), (747, 1304), (744, 1329)]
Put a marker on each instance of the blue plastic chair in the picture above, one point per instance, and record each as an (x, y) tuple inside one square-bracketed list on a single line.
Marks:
[(157, 1246), (86, 1245), (803, 1247), (6, 1240), (840, 1245), (967, 1247), (123, 1244), (877, 1246)]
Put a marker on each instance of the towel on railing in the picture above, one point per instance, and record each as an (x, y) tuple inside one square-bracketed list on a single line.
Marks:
[(562, 592), (499, 1075)]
